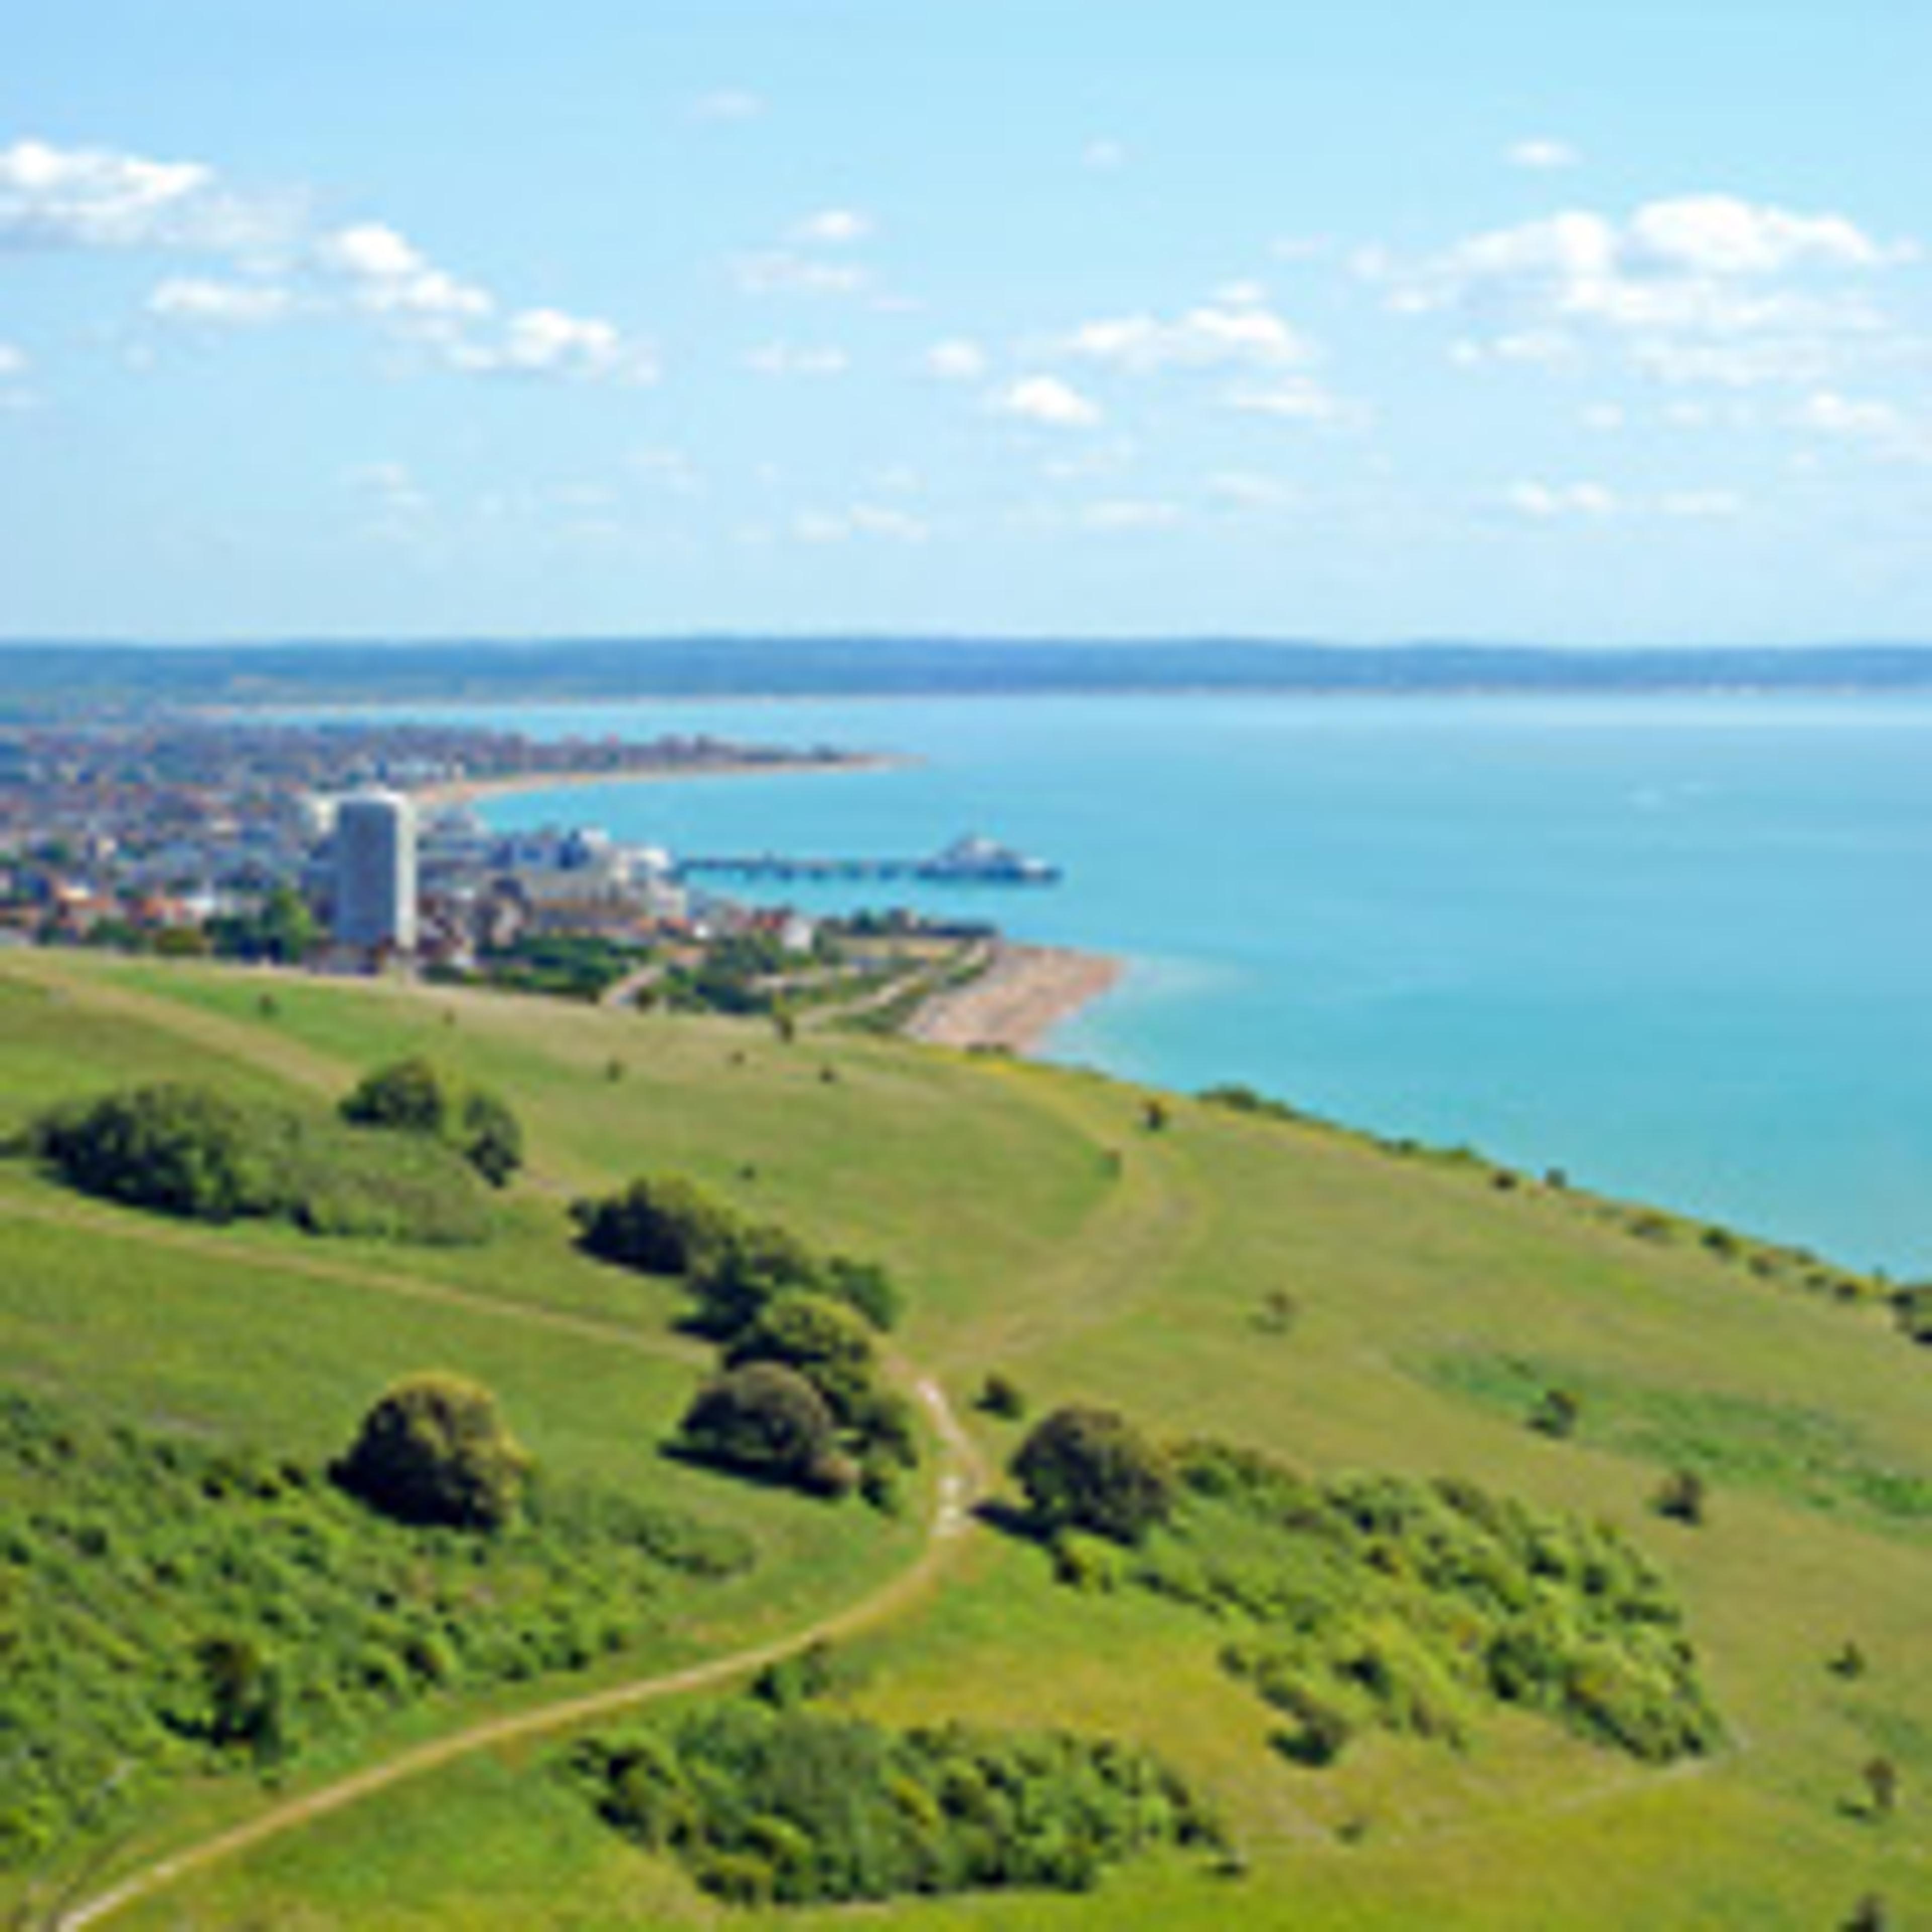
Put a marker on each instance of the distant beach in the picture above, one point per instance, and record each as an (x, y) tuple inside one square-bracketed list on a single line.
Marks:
[(1022, 996), (473, 791)]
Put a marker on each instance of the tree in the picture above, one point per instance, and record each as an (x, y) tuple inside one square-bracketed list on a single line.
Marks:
[(1683, 1496), (413, 1096), (866, 1286), (1000, 1395), (766, 1420), (664, 1226), (825, 1342), (434, 1449), (754, 1263), (492, 1137), (1090, 1468)]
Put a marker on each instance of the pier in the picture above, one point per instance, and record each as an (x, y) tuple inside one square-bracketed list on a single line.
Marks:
[(968, 861)]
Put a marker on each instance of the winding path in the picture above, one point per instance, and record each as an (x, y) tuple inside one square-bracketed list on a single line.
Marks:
[(963, 1480)]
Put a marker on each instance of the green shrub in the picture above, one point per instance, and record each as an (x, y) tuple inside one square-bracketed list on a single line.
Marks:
[(753, 1263), (1090, 1468), (765, 1420), (825, 1341), (184, 1150), (667, 1226), (1000, 1396), (434, 1449)]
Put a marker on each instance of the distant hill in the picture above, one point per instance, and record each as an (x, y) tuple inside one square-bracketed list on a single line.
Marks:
[(64, 678)]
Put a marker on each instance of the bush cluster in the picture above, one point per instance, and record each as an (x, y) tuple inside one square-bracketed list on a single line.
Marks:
[(416, 1097), (800, 1398), (666, 1225), (1380, 1601), (169, 1608), (188, 1150), (791, 1807)]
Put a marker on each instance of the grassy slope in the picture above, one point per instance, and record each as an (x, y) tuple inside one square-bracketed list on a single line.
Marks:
[(1424, 1293)]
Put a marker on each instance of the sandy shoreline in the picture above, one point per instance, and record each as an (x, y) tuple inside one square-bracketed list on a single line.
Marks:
[(470, 791), (1019, 999)]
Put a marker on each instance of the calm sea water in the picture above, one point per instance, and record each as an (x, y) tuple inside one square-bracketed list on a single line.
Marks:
[(1681, 948)]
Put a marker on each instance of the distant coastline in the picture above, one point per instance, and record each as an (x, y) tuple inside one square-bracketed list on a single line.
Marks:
[(444, 792), (74, 678)]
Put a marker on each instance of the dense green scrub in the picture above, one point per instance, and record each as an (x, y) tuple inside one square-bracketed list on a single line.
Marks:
[(1411, 1606), (796, 1808), (168, 1606), (189, 1151)]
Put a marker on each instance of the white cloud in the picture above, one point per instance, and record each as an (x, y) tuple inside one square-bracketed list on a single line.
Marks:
[(547, 342), (669, 469), (384, 276), (781, 271), (1104, 155), (1831, 414), (216, 305), (861, 520), (1721, 235), (387, 275), (1881, 426), (956, 360), (1245, 489), (833, 228), (96, 198), (1544, 502), (1130, 514), (1542, 155), (1706, 288), (1544, 348), (1047, 401), (1299, 399), (728, 105), (787, 359), (1213, 336), (1606, 418), (14, 395), (1701, 505), (100, 199)]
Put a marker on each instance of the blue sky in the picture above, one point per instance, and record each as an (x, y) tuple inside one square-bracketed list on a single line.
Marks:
[(1592, 322)]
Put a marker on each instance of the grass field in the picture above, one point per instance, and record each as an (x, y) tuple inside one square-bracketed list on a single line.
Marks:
[(1039, 1229)]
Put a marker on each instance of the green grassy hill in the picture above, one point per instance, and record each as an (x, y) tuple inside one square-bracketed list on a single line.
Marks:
[(1279, 1285)]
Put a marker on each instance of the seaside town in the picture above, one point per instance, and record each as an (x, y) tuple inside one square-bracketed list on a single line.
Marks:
[(356, 847)]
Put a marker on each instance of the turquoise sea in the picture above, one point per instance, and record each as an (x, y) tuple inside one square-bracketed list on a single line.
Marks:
[(1681, 948)]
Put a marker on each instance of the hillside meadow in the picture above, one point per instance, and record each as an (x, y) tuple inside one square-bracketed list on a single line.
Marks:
[(1211, 1271)]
